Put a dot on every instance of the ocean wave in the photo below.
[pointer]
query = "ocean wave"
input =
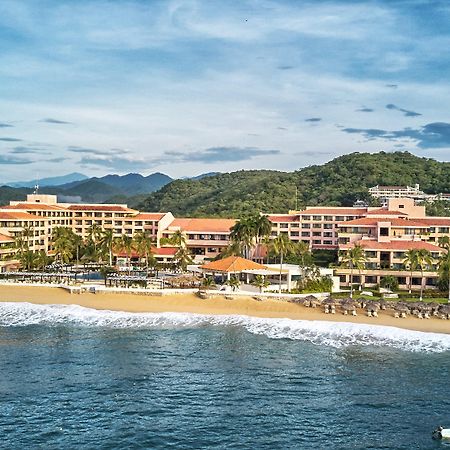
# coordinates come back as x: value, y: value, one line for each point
x: 334, y: 334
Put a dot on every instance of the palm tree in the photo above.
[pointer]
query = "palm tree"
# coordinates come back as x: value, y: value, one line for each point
x: 183, y: 258
x: 281, y: 246
x: 411, y: 262
x: 94, y: 233
x: 444, y: 261
x: 27, y: 233
x: 107, y: 243
x: 243, y: 233
x: 262, y: 227
x: 260, y: 282
x: 178, y: 239
x: 143, y: 245
x: 208, y: 283
x: 353, y: 258
x: 124, y: 243
x: 424, y: 260
x: 234, y: 283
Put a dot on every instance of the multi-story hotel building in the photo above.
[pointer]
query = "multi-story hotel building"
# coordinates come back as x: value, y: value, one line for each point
x: 385, y: 233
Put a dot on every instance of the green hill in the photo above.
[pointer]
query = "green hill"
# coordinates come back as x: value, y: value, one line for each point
x: 337, y: 183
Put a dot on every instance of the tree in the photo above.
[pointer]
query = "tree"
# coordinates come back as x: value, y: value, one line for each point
x: 281, y: 246
x: 262, y: 227
x: 260, y: 282
x: 234, y: 283
x: 183, y: 258
x: 389, y: 282
x: 143, y: 244
x: 124, y: 243
x: 208, y: 283
x: 444, y: 263
x: 94, y: 235
x: 243, y: 233
x: 411, y: 262
x: 107, y: 244
x: 424, y: 261
x: 353, y: 258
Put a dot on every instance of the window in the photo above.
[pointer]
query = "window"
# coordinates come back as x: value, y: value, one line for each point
x: 306, y: 233
x: 384, y: 231
x: 306, y: 217
x: 317, y: 242
x: 327, y: 234
x: 339, y: 218
x: 317, y: 217
x: 317, y: 225
x: 328, y: 226
x: 328, y: 242
x: 401, y: 206
x: 306, y: 225
x: 443, y: 229
x: 294, y: 233
x: 317, y: 233
x: 284, y: 225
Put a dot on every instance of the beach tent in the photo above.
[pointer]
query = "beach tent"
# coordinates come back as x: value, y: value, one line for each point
x: 231, y: 265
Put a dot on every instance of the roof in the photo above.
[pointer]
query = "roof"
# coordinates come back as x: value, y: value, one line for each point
x: 286, y: 218
x: 149, y: 216
x: 438, y: 221
x: 5, y: 238
x: 385, y: 212
x: 17, y: 215
x: 379, y: 186
x: 161, y: 251
x: 35, y: 207
x: 394, y: 221
x: 395, y: 245
x: 107, y: 208
x: 232, y: 264
x: 203, y: 225
x: 335, y: 211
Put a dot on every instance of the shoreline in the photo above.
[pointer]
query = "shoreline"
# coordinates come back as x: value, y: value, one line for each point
x: 190, y: 303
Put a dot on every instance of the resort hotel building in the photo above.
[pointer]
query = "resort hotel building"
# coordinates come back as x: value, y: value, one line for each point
x: 385, y: 233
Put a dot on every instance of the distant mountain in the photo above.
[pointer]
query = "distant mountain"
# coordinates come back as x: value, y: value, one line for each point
x: 51, y: 181
x: 337, y: 183
x: 135, y: 183
x: 102, y: 189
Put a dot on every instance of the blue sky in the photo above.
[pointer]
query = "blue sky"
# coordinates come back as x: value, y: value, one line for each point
x: 186, y: 87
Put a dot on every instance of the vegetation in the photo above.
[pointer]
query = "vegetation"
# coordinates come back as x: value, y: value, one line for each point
x: 389, y: 282
x: 318, y: 284
x: 353, y: 258
x: 281, y: 246
x: 339, y: 182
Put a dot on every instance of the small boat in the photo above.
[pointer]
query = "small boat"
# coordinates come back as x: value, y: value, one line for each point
x: 441, y: 433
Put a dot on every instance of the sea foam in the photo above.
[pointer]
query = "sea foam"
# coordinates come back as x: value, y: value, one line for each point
x: 334, y: 334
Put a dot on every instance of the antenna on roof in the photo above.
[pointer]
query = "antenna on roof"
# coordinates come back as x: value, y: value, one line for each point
x: 36, y: 186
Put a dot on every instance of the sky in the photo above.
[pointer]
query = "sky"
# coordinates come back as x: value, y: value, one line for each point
x: 186, y: 87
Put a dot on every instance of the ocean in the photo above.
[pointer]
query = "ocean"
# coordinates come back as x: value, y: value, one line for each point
x: 73, y: 377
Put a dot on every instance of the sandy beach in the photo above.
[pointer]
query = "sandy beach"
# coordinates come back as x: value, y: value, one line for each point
x: 190, y: 303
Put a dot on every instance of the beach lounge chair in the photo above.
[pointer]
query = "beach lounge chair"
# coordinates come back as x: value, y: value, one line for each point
x: 374, y: 314
x: 354, y: 313
x: 369, y: 313
x: 396, y: 315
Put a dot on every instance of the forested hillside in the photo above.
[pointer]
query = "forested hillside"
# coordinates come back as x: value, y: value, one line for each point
x: 339, y: 182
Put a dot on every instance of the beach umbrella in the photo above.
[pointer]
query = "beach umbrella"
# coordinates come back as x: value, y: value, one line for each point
x: 349, y: 306
x: 444, y: 309
x: 401, y: 307
x: 329, y: 301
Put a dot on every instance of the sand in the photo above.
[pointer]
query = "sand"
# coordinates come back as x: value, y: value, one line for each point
x: 190, y: 303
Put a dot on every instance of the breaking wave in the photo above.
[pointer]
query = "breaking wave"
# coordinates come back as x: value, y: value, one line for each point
x: 334, y: 334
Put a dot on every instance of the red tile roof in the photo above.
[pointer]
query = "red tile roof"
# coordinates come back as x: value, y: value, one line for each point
x: 203, y: 225
x: 106, y: 208
x: 5, y: 238
x: 149, y: 216
x: 232, y: 264
x: 385, y: 212
x: 17, y: 215
x: 395, y: 222
x: 161, y: 251
x: 282, y: 219
x: 339, y: 211
x: 394, y: 245
x: 35, y: 207
x: 436, y: 221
